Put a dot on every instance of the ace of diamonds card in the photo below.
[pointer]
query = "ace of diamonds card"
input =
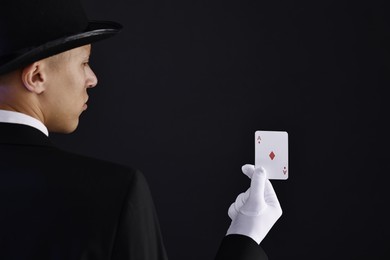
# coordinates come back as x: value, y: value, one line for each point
x: 271, y: 152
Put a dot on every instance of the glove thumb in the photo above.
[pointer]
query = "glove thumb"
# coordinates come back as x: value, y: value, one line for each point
x: 255, y: 203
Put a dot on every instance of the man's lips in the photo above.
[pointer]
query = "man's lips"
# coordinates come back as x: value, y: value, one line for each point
x: 85, y: 106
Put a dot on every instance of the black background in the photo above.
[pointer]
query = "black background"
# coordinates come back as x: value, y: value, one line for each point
x: 186, y: 84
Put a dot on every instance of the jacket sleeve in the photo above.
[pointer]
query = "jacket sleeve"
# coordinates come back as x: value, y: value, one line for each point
x: 138, y: 233
x: 239, y: 247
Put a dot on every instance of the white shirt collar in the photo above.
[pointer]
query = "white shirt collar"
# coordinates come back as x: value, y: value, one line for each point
x: 19, y: 118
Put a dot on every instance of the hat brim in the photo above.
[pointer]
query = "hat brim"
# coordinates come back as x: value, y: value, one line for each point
x: 96, y: 31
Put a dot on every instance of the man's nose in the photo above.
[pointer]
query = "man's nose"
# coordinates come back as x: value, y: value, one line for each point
x: 92, y: 80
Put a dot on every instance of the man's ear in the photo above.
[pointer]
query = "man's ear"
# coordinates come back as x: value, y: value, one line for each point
x: 34, y: 77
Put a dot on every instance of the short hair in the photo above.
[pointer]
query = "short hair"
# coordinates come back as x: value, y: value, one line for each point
x: 56, y: 60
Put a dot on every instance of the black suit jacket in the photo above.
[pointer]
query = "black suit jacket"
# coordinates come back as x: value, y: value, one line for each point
x: 59, y: 205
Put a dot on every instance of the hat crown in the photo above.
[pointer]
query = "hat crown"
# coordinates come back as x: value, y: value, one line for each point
x: 26, y: 24
x: 31, y: 30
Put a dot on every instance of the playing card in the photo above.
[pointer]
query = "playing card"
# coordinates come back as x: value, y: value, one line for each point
x: 271, y: 152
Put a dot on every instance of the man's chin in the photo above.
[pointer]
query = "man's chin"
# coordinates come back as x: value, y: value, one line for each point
x: 64, y: 129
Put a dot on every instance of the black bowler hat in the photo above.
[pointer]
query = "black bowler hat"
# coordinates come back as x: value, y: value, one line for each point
x: 31, y: 30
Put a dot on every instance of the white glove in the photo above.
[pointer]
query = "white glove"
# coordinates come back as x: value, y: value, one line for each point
x: 255, y: 212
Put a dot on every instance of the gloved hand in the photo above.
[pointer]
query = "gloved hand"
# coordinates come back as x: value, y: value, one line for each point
x: 255, y: 212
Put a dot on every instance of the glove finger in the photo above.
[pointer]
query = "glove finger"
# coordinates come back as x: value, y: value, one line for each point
x: 248, y: 170
x: 232, y: 212
x: 239, y: 202
x: 270, y: 195
x: 241, y: 199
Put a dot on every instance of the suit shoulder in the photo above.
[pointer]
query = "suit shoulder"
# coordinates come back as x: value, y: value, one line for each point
x: 102, y: 166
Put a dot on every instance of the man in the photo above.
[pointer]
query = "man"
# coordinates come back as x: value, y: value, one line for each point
x: 58, y: 205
